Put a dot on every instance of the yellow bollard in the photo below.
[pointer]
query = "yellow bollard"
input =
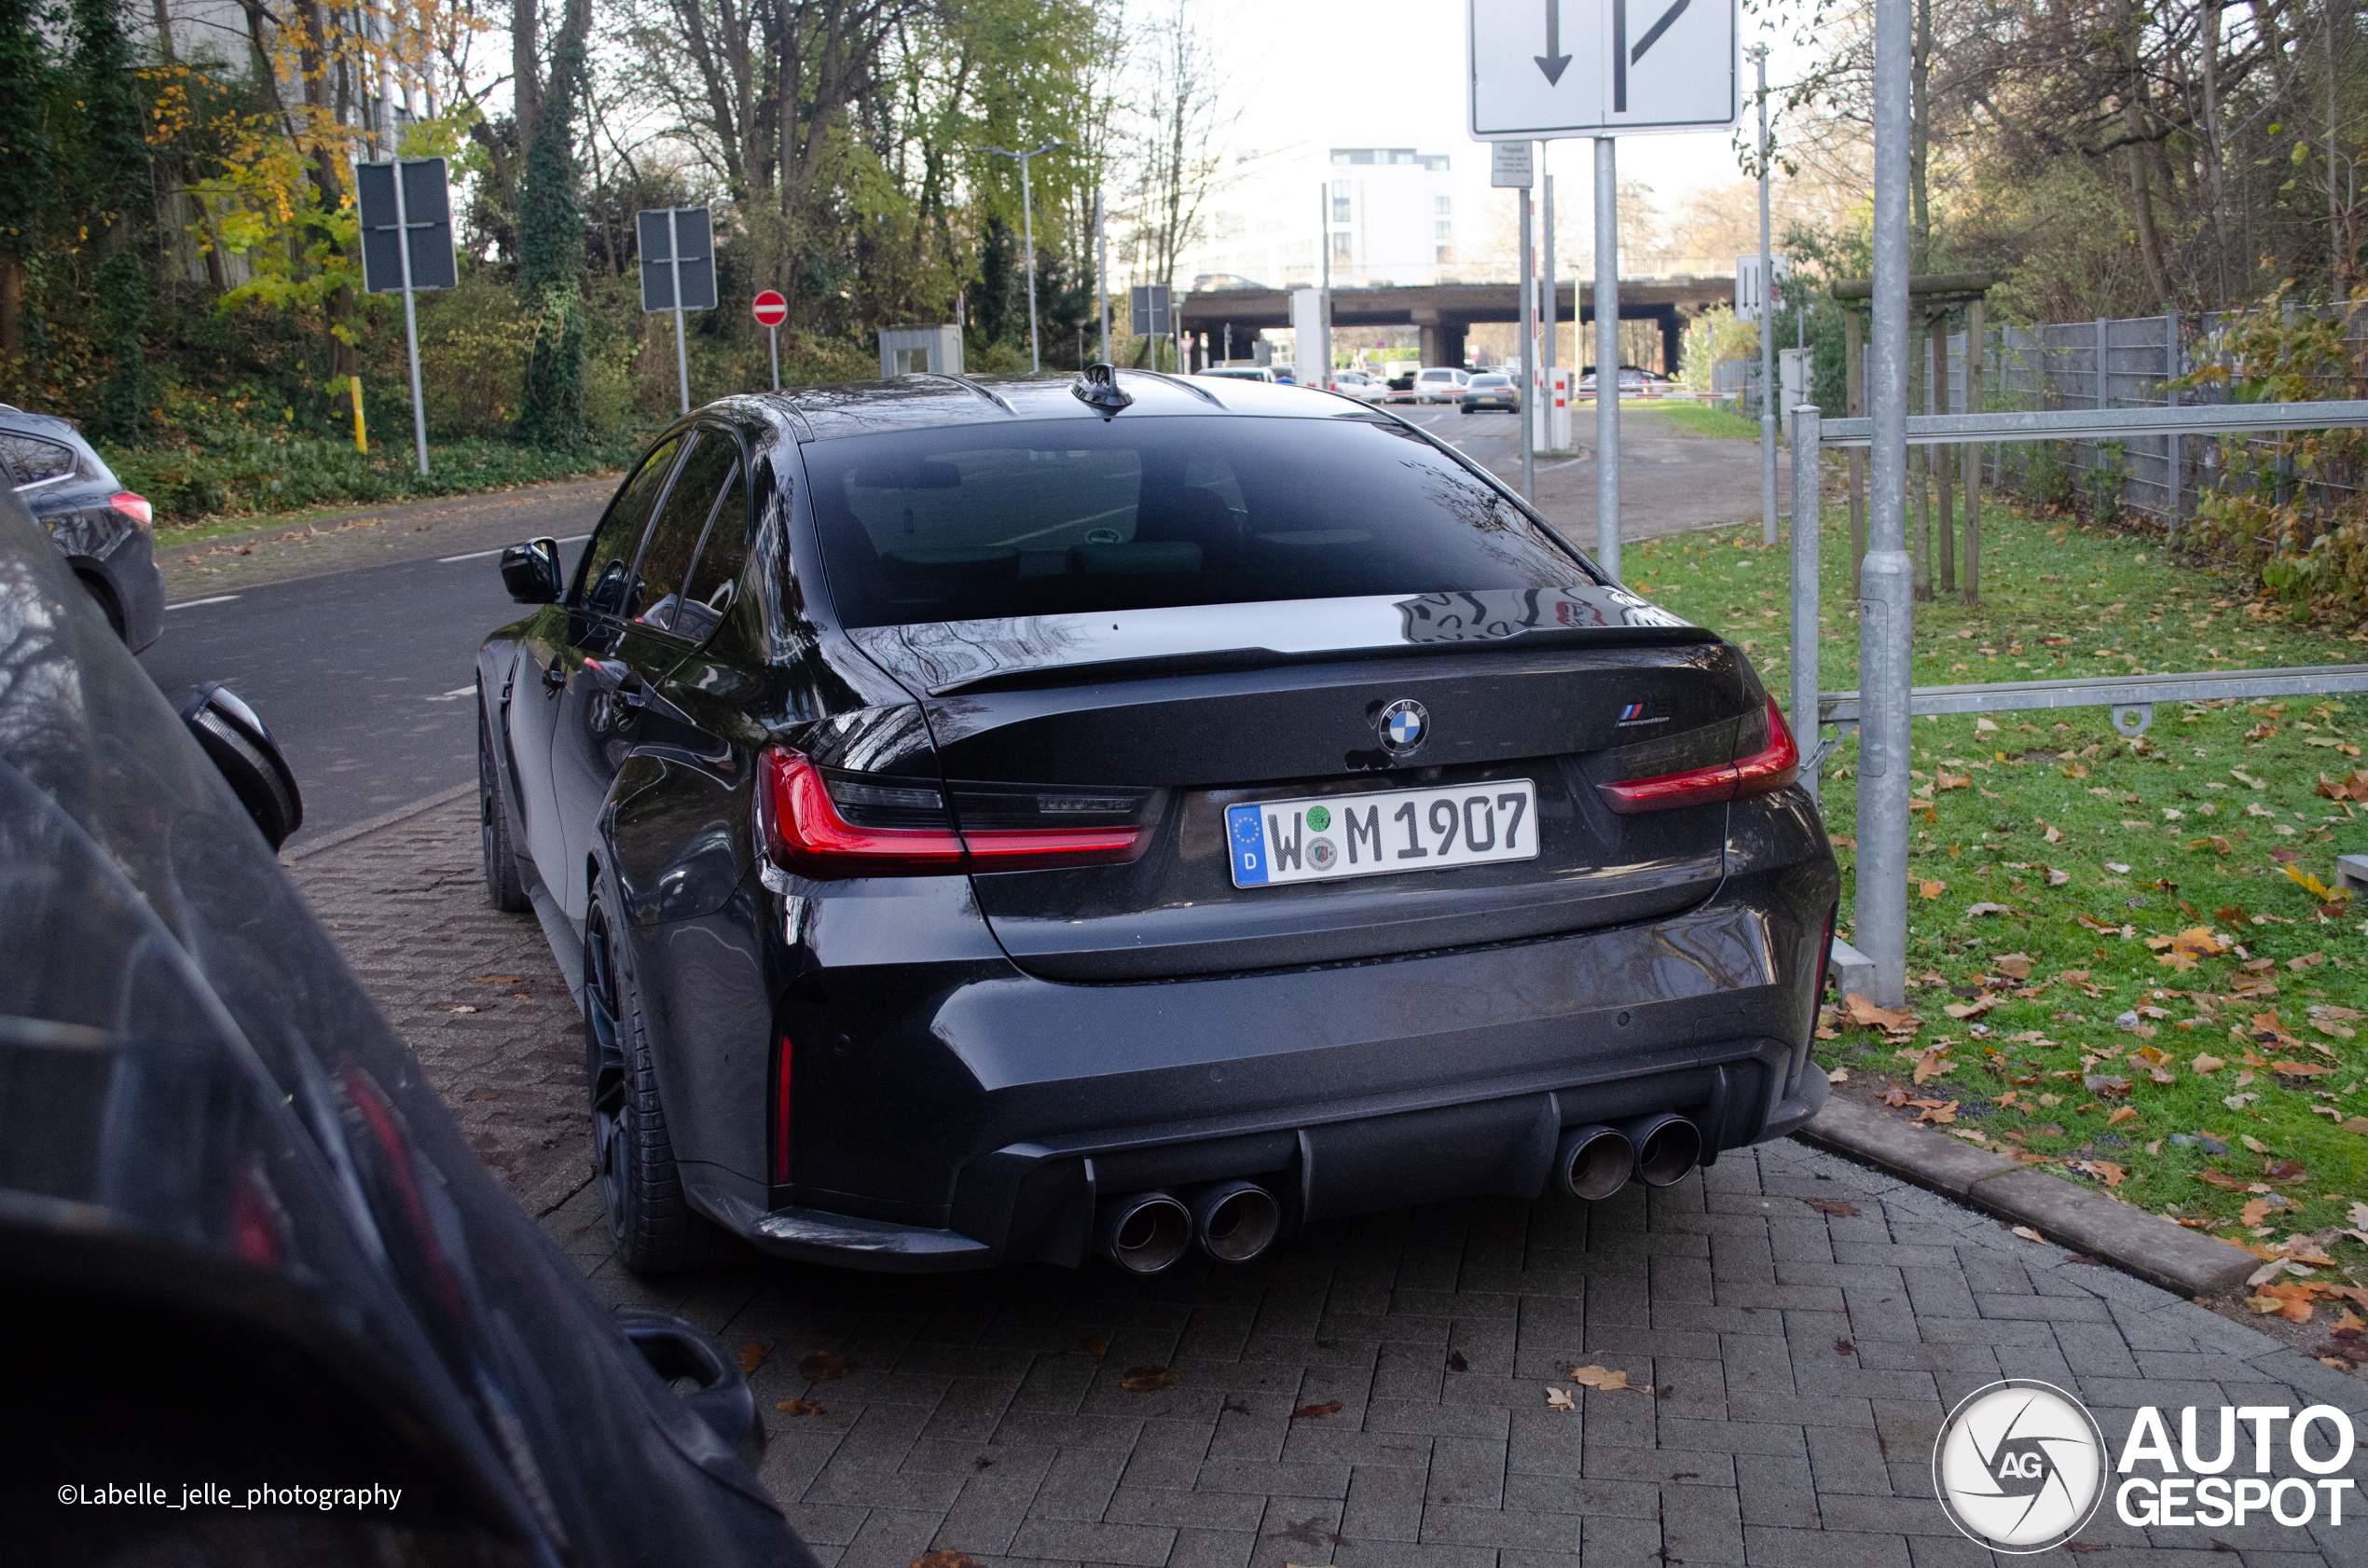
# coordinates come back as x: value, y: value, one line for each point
x: 360, y: 436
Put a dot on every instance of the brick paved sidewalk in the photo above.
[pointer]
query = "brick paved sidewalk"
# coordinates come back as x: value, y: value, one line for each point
x: 1801, y: 1358
x: 474, y: 992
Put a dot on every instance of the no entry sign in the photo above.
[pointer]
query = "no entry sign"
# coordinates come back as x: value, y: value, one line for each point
x: 770, y: 309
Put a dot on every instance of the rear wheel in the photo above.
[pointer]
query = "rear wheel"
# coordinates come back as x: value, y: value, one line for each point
x: 504, y: 890
x: 651, y: 1221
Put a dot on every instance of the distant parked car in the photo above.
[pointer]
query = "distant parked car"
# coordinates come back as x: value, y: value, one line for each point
x: 1239, y: 372
x: 1359, y: 385
x: 1493, y: 391
x: 107, y: 533
x: 1633, y: 383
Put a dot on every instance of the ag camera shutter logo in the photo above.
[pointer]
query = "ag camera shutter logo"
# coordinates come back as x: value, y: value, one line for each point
x: 2019, y: 1467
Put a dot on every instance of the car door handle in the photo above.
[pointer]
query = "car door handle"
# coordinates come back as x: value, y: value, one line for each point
x: 631, y: 692
x: 553, y: 677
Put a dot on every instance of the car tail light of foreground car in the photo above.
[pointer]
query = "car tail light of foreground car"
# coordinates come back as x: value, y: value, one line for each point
x: 135, y: 507
x: 1762, y: 773
x: 828, y: 824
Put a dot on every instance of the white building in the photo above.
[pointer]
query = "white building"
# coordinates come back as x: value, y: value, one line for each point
x: 1387, y: 215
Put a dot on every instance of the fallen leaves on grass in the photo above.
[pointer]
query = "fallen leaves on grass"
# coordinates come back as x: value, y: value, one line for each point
x: 2014, y: 966
x: 2206, y: 1064
x: 1939, y: 1113
x: 1987, y: 908
x: 826, y: 1366
x: 2351, y: 788
x: 1930, y: 889
x: 2103, y: 1170
x: 2105, y: 1083
x: 1148, y: 1380
x: 1894, y: 1096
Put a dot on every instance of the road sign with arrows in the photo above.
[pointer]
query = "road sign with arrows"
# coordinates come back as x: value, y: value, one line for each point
x: 1633, y: 66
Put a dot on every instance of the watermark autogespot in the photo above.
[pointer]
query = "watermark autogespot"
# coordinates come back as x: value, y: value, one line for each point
x: 2021, y: 1466
x: 214, y: 1494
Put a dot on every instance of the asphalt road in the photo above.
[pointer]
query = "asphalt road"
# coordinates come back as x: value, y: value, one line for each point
x: 365, y: 677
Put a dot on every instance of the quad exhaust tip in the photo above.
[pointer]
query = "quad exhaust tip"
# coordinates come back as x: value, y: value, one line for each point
x: 1235, y: 1220
x: 1594, y: 1162
x: 1145, y: 1232
x: 1668, y: 1146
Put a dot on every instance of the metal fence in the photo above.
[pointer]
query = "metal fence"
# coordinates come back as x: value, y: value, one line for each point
x: 2128, y: 364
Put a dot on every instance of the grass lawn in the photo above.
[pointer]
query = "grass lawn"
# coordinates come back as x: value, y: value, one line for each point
x: 2113, y: 968
x: 1703, y: 419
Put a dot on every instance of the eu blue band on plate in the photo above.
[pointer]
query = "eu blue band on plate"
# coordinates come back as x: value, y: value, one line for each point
x: 1246, y: 841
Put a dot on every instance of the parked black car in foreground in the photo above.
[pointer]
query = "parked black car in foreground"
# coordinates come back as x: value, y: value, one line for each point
x: 242, y: 1248
x: 1004, y: 819
x: 107, y: 533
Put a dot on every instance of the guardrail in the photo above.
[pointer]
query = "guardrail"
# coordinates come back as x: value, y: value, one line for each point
x: 1882, y: 857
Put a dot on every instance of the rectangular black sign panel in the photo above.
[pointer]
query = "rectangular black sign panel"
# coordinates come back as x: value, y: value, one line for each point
x: 659, y: 237
x: 425, y: 213
x: 1148, y: 309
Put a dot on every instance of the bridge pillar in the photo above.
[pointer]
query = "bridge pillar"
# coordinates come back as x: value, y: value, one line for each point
x: 1443, y: 342
x: 1672, y: 340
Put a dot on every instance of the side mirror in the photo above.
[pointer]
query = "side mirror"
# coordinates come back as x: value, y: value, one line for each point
x: 250, y: 761
x: 714, y: 1389
x: 531, y: 571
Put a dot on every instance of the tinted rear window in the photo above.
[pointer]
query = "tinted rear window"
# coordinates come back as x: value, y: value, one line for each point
x: 982, y: 522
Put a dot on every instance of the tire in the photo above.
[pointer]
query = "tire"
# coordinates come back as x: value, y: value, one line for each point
x: 96, y: 587
x: 504, y: 890
x: 650, y: 1220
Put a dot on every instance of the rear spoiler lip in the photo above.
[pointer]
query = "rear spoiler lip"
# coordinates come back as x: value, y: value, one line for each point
x: 942, y: 657
x: 1226, y: 660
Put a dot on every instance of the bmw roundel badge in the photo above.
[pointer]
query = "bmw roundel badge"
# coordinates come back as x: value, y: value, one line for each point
x: 1404, y: 726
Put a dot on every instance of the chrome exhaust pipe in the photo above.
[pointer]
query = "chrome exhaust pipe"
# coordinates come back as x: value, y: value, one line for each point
x: 1145, y: 1231
x: 1667, y: 1147
x: 1235, y: 1220
x: 1593, y: 1162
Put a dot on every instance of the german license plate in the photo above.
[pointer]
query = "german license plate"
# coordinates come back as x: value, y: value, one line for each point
x: 1338, y: 836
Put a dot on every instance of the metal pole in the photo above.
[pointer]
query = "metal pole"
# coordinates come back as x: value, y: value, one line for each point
x: 411, y: 323
x: 1102, y: 273
x: 1887, y: 608
x: 1535, y: 405
x: 1607, y: 356
x: 1027, y: 237
x: 1324, y: 296
x: 1529, y: 352
x: 773, y: 337
x: 2170, y: 400
x: 1769, y: 394
x: 1807, y: 641
x: 681, y: 353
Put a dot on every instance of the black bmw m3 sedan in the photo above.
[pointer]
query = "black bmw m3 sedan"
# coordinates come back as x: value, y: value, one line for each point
x: 999, y: 821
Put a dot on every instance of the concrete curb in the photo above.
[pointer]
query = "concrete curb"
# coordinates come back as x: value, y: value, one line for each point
x: 182, y: 552
x: 2131, y: 1239
x: 370, y: 825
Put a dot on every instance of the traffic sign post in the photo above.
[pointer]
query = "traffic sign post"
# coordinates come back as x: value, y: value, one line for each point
x: 1513, y: 165
x: 771, y: 310
x: 678, y: 272
x: 406, y: 244
x: 1540, y: 69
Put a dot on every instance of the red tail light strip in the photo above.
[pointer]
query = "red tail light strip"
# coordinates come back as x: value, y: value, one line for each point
x: 1762, y: 773
x: 135, y: 507
x: 805, y: 833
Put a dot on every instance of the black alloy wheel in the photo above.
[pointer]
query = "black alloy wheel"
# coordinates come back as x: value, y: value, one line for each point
x: 650, y: 1220
x: 504, y: 890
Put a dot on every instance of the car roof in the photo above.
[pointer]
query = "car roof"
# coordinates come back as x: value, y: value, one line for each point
x: 39, y: 424
x: 937, y: 401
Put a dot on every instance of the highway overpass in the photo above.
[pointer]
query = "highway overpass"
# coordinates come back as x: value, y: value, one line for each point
x: 1444, y: 310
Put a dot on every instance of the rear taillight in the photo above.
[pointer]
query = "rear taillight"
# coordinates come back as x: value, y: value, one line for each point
x: 902, y: 827
x: 135, y: 507
x: 1764, y: 771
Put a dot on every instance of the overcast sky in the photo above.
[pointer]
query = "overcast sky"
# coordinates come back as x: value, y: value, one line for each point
x: 1391, y: 73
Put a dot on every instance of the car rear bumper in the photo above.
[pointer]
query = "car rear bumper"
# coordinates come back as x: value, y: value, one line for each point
x: 958, y: 1121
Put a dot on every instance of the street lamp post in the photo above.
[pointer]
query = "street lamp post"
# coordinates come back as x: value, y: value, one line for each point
x: 1768, y: 389
x: 1027, y: 237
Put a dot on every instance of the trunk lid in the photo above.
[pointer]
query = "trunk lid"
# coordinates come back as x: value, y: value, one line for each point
x: 1177, y: 714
